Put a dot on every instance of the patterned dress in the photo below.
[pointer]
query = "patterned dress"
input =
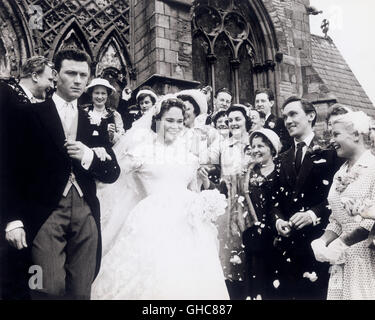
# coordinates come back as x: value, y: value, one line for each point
x: 353, y: 277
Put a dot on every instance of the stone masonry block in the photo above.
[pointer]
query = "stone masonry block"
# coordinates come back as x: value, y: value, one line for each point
x: 171, y: 34
x: 160, y: 32
x: 164, y: 68
x: 159, y: 6
x: 163, y: 43
x: 162, y: 21
x: 171, y: 56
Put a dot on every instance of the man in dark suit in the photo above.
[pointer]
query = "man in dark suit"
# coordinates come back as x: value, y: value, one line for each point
x: 264, y: 101
x: 56, y: 212
x: 301, y: 209
x: 36, y: 79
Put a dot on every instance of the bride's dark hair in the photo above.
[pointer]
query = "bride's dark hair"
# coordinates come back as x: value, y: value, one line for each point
x: 166, y: 105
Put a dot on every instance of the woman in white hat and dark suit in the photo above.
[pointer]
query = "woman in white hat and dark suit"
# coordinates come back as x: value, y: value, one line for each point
x: 258, y: 237
x: 107, y: 123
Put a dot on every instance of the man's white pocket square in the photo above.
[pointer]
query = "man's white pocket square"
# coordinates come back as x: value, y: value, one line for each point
x: 95, y: 133
x: 320, y: 161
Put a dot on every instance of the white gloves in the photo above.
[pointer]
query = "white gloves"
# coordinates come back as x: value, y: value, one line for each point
x: 320, y: 250
x: 336, y: 249
x: 332, y: 253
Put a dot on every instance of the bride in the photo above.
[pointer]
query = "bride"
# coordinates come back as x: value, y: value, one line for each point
x: 159, y: 241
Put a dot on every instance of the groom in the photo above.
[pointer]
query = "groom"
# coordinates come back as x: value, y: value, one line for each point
x: 55, y: 212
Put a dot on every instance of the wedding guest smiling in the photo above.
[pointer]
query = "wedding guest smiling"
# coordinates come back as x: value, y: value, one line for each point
x: 107, y: 123
x: 352, y: 272
x: 232, y: 224
x: 258, y: 237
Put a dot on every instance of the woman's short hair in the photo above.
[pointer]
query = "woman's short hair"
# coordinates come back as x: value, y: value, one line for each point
x: 145, y: 95
x: 168, y: 104
x: 358, y: 121
x: 217, y: 116
x: 337, y: 110
x: 197, y: 109
x: 243, y: 110
x: 165, y: 106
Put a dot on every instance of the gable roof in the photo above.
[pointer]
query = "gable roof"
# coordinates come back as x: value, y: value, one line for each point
x: 337, y: 75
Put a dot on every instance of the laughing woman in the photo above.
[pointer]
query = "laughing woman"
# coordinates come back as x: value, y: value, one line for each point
x: 344, y: 243
x: 232, y: 224
x: 258, y: 238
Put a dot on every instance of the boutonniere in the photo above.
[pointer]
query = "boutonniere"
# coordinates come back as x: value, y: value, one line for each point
x: 94, y: 119
x: 257, y: 180
x: 317, y: 150
x: 95, y: 133
x: 271, y: 125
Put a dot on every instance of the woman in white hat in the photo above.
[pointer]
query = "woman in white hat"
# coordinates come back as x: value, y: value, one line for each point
x: 258, y: 238
x: 107, y: 123
x: 200, y: 136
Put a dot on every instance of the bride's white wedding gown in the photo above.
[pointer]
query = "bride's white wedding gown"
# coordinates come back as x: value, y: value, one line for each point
x: 154, y: 244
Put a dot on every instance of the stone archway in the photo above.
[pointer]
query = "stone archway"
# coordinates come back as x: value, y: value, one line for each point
x: 15, y: 38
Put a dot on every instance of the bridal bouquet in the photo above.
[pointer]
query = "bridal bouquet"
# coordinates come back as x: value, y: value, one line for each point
x: 214, y: 204
x: 208, y: 206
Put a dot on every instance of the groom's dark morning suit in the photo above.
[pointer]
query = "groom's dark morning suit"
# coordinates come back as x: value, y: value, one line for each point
x: 303, y: 191
x: 62, y: 224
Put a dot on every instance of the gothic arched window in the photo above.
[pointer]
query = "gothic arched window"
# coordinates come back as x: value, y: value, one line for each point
x: 224, y: 53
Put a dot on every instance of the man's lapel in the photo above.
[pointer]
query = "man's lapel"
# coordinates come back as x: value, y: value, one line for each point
x: 51, y: 120
x: 83, y: 125
x: 271, y: 118
x: 289, y: 167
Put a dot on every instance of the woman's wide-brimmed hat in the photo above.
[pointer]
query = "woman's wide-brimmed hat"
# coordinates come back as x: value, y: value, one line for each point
x: 198, y: 97
x: 100, y: 82
x: 270, y: 135
x: 147, y: 92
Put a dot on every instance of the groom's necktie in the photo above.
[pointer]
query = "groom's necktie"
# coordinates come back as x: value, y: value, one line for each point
x: 299, y: 153
x: 68, y: 121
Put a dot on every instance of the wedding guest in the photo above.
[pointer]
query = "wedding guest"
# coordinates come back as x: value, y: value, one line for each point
x: 232, y: 224
x: 200, y: 136
x: 300, y: 204
x: 258, y: 238
x: 55, y: 213
x: 264, y: 102
x: 210, y: 174
x: 36, y: 80
x: 207, y: 91
x: 343, y: 243
x: 106, y: 123
x: 220, y: 121
x: 334, y: 112
x: 194, y: 107
x: 257, y: 119
x: 145, y: 98
x: 222, y: 100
